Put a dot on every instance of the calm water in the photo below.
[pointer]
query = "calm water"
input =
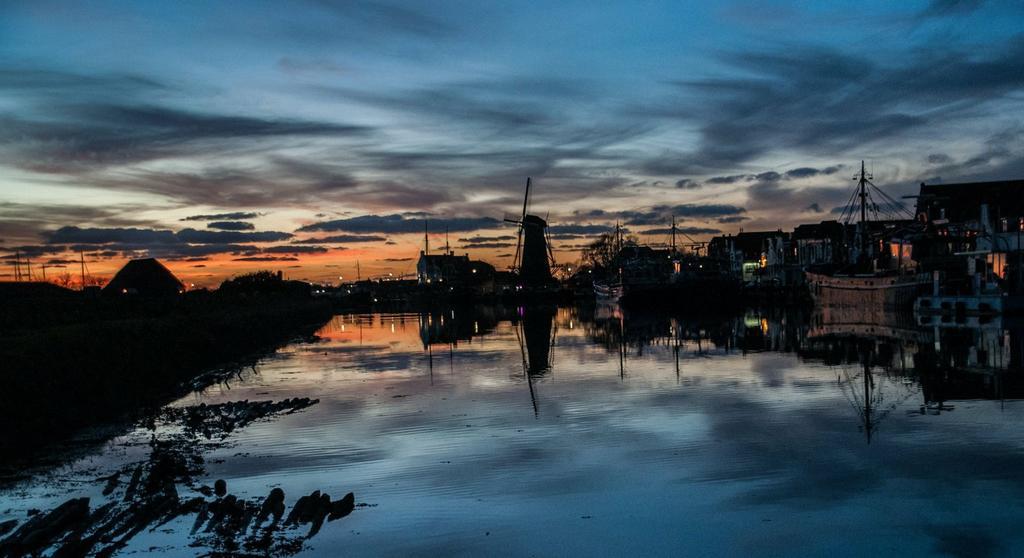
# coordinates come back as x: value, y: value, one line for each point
x: 554, y: 433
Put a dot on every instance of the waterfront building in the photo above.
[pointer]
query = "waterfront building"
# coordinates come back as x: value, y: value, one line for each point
x: 448, y: 269
x: 756, y: 257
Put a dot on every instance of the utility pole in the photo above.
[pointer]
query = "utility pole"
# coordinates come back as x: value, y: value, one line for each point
x: 426, y: 238
x: 359, y: 276
x: 81, y: 253
x: 17, y: 267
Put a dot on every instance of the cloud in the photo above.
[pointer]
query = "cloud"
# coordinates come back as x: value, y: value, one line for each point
x: 808, y: 172
x: 233, y: 216
x: 76, y: 235
x: 36, y: 83
x: 701, y: 210
x: 731, y: 179
x: 950, y: 8
x: 814, y: 207
x: 231, y: 225
x: 772, y: 176
x: 657, y: 215
x: 400, y: 224
x: 687, y: 184
x: 682, y: 230
x: 194, y: 236
x: 822, y: 101
x: 732, y: 219
x: 487, y: 245
x: 83, y: 137
x: 342, y: 239
x: 31, y: 251
x: 589, y: 229
x: 389, y: 18
x: 292, y: 249
x: 483, y: 238
x: 163, y: 243
x: 266, y: 259
x: 295, y: 66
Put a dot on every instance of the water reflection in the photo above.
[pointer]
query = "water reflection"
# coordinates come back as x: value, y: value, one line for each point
x: 884, y: 359
x: 631, y: 433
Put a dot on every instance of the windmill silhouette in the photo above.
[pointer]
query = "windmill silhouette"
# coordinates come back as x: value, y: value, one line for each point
x: 533, y: 251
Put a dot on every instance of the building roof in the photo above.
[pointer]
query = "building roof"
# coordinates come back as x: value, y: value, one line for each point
x: 146, y: 277
x: 752, y: 243
x: 822, y: 230
x: 962, y: 201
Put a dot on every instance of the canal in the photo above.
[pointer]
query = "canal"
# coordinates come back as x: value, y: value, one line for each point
x: 546, y: 431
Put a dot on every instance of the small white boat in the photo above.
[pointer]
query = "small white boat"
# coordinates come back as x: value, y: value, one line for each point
x: 608, y: 292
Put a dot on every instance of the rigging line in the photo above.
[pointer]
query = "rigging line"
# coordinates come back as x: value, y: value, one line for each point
x: 847, y: 213
x: 898, y: 205
x: 892, y: 201
x: 851, y: 205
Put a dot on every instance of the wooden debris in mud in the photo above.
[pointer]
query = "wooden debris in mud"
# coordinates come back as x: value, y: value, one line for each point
x: 223, y: 522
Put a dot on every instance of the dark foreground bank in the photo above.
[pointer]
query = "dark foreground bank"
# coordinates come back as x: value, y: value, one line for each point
x: 86, y: 362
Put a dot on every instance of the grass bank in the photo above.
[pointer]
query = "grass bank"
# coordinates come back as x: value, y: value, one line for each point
x: 116, y: 357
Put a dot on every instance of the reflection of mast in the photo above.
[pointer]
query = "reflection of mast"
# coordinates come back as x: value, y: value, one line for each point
x: 869, y: 406
x: 862, y: 405
x: 622, y: 351
x: 869, y: 384
x: 430, y: 362
x: 675, y: 342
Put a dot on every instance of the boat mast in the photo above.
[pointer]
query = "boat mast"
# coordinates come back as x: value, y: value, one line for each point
x: 862, y: 184
x: 673, y: 234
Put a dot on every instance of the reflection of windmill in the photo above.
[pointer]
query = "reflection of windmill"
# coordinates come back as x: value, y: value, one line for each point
x: 533, y: 252
x: 536, y: 332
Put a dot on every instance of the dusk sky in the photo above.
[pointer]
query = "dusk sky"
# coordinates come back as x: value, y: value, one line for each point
x: 224, y: 137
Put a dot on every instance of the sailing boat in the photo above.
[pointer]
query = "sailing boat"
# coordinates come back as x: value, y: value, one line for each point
x: 866, y: 283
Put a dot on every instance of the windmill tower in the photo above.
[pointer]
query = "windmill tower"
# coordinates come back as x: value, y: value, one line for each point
x: 532, y: 253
